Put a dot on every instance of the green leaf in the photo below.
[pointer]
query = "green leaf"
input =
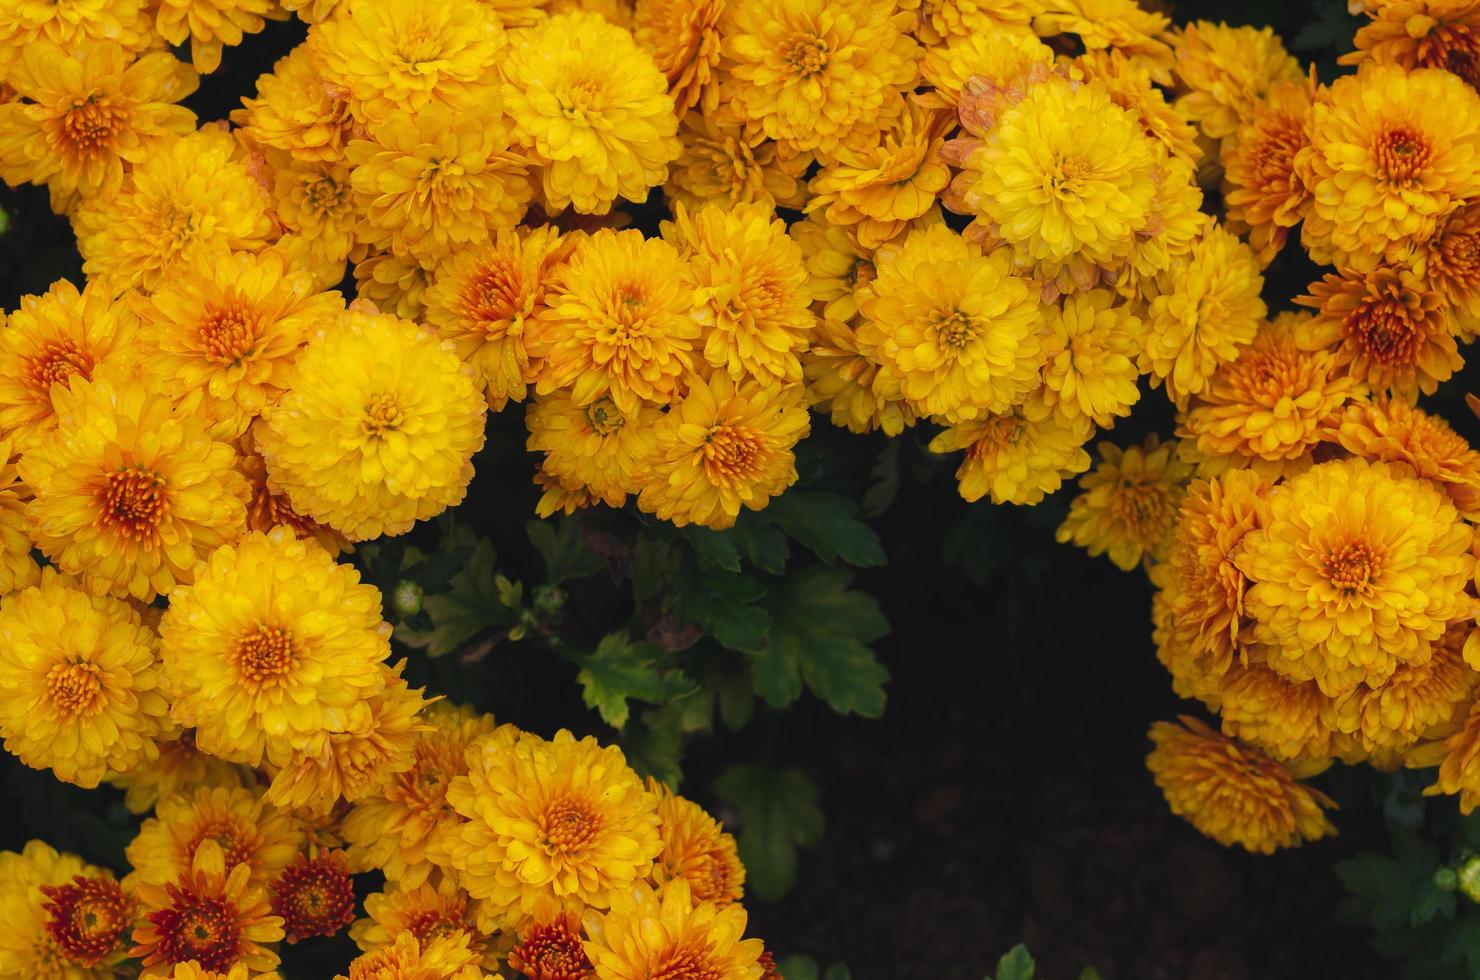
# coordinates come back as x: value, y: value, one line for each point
x: 714, y: 547
x: 797, y: 967
x: 827, y: 525
x: 470, y: 606
x: 656, y: 749
x: 654, y: 563
x: 761, y: 542
x: 820, y: 631
x: 565, y: 553
x: 778, y: 814
x: 1016, y: 964
x: 838, y: 971
x: 620, y: 670
x: 1090, y: 973
x: 723, y: 605
x: 1462, y: 943
x: 884, y: 480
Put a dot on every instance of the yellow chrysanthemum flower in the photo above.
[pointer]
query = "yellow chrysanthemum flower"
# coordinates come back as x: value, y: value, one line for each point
x: 1234, y: 793
x: 79, y: 682
x: 18, y: 570
x: 840, y: 381
x: 552, y: 947
x: 620, y: 322
x: 696, y: 849
x: 80, y: 114
x: 1130, y: 86
x: 230, y: 327
x: 1284, y: 718
x: 562, y: 820
x: 351, y: 762
x: 836, y: 266
x: 179, y: 767
x: 248, y: 830
x: 403, y: 55
x: 1358, y: 569
x: 394, y: 283
x: 684, y: 39
x: 1174, y: 227
x: 1123, y: 25
x: 938, y: 22
x: 721, y: 447
x: 53, y: 339
x: 1127, y: 505
x: 268, y: 509
x: 1225, y: 71
x: 215, y: 918
x: 1066, y: 178
x: 1262, y: 190
x: 729, y: 163
x: 315, y: 202
x: 297, y: 112
x: 425, y: 912
x: 811, y: 72
x: 389, y: 831
x: 192, y: 970
x: 647, y: 930
x: 1392, y: 431
x: 1386, y: 327
x: 594, y: 449
x: 1415, y: 701
x: 1208, y: 308
x: 211, y: 25
x: 1092, y: 344
x: 489, y: 302
x: 1202, y: 589
x: 750, y: 296
x: 954, y: 332
x: 377, y: 429
x: 132, y: 491
x: 125, y: 23
x: 436, y: 180
x: 60, y: 917
x: 1389, y: 153
x: 1442, y: 34
x: 1016, y: 460
x: 594, y: 109
x: 1450, y: 261
x: 191, y: 194
x: 437, y: 958
x: 272, y: 646
x: 1266, y: 408
x: 999, y: 56
x: 1456, y: 756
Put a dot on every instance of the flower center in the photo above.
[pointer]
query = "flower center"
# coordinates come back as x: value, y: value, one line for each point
x: 1352, y: 567
x: 955, y: 329
x: 1276, y: 150
x: 315, y: 898
x: 569, y: 825
x: 228, y: 334
x: 686, y: 963
x: 1402, y: 154
x: 1066, y: 179
x: 198, y: 927
x: 88, y: 917
x: 1146, y: 508
x: 133, y: 502
x: 492, y: 295
x: 383, y: 415
x: 265, y: 654
x: 429, y: 924
x: 324, y: 195
x: 732, y: 454
x: 604, y: 417
x: 75, y: 689
x: 550, y: 951
x: 1385, y: 332
x: 805, y: 53
x: 235, y: 846
x: 57, y: 362
x: 89, y: 126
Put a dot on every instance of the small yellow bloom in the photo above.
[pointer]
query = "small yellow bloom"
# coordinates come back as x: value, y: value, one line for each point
x: 1092, y: 345
x: 646, y: 930
x: 596, y: 450
x: 1128, y: 504
x: 1014, y: 459
x: 1225, y: 71
x: 297, y: 112
x: 248, y: 830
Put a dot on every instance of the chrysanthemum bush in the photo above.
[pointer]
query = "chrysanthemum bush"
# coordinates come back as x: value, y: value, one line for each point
x: 630, y: 254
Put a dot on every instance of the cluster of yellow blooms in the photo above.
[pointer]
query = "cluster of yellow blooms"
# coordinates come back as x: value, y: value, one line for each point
x: 1310, y: 532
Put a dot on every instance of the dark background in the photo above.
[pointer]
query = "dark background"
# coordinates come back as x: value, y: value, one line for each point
x: 1003, y: 797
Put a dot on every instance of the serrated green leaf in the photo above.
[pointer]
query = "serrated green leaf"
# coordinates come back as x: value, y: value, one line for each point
x: 469, y: 606
x: 819, y: 636
x: 761, y: 542
x: 559, y: 542
x: 620, y: 670
x: 778, y: 815
x: 827, y: 525
x: 1016, y: 964
x: 714, y: 547
x: 722, y: 604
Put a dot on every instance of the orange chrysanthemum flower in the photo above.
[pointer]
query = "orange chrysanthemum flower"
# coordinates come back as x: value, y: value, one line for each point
x: 1015, y: 459
x: 314, y: 896
x: 1225, y: 71
x: 1392, y: 431
x: 551, y: 948
x: 1262, y: 190
x: 297, y: 112
x: 1441, y: 34
x: 1387, y: 328
x: 1450, y: 261
x: 248, y: 830
x: 729, y: 163
x: 428, y: 912
x: 1128, y: 503
x: 89, y: 918
x: 697, y: 849
x: 684, y: 39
